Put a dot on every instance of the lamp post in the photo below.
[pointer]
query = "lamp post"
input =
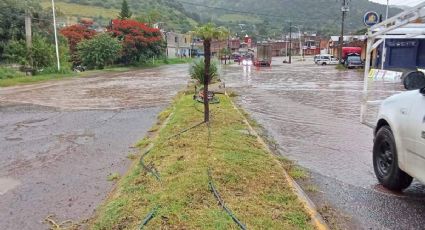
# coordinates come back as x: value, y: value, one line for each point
x: 56, y: 35
x: 384, y: 49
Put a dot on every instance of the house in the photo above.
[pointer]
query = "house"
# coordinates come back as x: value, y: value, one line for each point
x: 178, y: 45
x: 232, y: 43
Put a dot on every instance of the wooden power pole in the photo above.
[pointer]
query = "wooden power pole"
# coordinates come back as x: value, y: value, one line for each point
x: 290, y: 42
x: 344, y: 10
x: 28, y: 32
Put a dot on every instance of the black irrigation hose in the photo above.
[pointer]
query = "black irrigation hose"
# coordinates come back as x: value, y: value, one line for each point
x: 222, y: 204
x: 148, y: 217
x: 184, y: 130
x: 149, y: 169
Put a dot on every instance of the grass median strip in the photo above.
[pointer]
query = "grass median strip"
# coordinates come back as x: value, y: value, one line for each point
x: 249, y: 179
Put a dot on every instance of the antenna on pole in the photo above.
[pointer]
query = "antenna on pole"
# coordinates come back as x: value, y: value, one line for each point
x: 384, y: 48
x: 56, y: 35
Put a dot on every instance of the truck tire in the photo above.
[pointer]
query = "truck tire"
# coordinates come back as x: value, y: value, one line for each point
x: 324, y: 63
x: 385, y: 161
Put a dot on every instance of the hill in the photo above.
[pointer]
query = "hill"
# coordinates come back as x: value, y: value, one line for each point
x: 171, y: 13
x: 272, y: 17
x: 262, y: 19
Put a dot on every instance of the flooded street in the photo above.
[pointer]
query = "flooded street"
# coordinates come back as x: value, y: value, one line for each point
x: 60, y: 140
x: 313, y: 113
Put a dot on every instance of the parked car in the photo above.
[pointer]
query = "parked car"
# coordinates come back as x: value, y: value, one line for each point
x: 399, y: 143
x: 328, y: 61
x: 353, y: 61
x: 349, y: 51
x: 321, y: 57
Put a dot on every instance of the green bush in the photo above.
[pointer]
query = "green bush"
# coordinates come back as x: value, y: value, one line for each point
x: 100, y: 51
x: 42, y: 53
x: 16, y: 52
x: 7, y: 73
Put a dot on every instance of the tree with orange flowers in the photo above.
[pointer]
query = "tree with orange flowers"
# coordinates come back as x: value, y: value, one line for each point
x: 76, y: 34
x: 140, y: 41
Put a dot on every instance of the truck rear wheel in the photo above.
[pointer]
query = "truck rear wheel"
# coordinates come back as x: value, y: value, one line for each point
x: 385, y: 161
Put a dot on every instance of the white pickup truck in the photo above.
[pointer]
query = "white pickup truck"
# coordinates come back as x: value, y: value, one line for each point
x: 399, y: 144
x: 327, y: 61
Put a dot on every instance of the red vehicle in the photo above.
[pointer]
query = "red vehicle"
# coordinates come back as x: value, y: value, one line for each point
x: 350, y: 50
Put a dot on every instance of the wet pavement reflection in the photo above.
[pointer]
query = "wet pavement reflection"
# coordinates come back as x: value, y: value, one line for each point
x: 59, y: 140
x: 313, y: 113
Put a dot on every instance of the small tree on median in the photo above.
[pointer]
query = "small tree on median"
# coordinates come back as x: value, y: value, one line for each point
x: 208, y: 33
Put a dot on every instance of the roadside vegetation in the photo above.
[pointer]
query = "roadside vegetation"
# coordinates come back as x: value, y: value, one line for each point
x: 171, y: 181
x: 127, y: 42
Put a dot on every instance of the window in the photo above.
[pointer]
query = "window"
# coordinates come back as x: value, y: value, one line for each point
x: 176, y: 39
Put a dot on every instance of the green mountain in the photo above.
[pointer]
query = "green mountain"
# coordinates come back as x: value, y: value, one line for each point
x: 271, y: 17
x: 171, y: 13
x: 263, y: 19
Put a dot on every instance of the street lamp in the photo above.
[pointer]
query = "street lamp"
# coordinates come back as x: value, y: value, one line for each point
x: 56, y: 35
x: 299, y: 37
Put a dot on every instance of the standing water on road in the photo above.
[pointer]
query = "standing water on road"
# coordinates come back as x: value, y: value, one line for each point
x: 60, y: 140
x: 313, y: 113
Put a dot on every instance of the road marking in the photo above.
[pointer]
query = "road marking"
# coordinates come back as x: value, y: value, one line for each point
x: 7, y: 184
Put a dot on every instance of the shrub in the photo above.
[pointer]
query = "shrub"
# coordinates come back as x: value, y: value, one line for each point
x: 100, y: 51
x: 16, y: 52
x: 42, y: 53
x: 197, y: 70
x: 6, y: 73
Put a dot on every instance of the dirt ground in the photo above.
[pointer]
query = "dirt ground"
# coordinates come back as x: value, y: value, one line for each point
x: 60, y: 140
x: 313, y: 114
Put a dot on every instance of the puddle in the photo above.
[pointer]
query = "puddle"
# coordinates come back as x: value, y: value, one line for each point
x: 7, y: 184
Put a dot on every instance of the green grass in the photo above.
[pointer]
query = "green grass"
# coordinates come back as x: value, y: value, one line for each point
x: 82, y: 10
x: 340, y: 67
x: 249, y: 179
x: 113, y: 177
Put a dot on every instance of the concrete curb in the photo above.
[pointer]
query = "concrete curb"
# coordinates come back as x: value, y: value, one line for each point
x: 311, y: 208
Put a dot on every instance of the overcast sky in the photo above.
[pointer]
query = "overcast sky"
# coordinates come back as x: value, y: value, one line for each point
x: 400, y: 2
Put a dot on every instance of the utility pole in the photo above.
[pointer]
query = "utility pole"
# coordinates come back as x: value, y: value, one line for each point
x: 56, y: 35
x: 290, y: 42
x: 344, y: 10
x: 28, y: 32
x: 384, y: 48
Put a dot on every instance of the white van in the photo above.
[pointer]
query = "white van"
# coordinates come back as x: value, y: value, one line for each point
x: 323, y: 57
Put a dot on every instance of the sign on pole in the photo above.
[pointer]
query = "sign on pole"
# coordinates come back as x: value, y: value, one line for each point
x: 371, y: 18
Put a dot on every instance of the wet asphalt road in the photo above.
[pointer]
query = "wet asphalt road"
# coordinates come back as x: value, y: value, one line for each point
x: 60, y: 140
x: 313, y: 113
